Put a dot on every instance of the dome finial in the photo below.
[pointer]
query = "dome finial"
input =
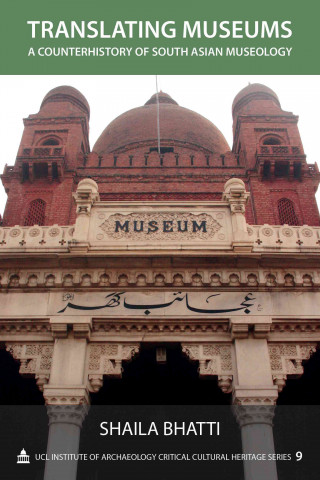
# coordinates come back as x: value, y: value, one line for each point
x: 163, y: 98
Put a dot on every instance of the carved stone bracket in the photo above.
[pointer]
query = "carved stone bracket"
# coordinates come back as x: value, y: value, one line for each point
x: 286, y: 359
x: 106, y: 359
x: 214, y: 359
x: 35, y: 359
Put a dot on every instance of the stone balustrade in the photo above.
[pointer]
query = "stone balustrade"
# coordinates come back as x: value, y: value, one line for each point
x: 43, y: 151
x: 284, y: 238
x: 279, y: 150
x: 48, y: 238
x: 264, y: 238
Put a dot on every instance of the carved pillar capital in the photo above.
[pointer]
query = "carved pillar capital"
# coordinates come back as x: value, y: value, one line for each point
x: 253, y: 414
x: 71, y: 414
x: 214, y: 359
x: 106, y: 359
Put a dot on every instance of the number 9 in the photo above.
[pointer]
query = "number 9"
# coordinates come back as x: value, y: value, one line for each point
x: 298, y: 456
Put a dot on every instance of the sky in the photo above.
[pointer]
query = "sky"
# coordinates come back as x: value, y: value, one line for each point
x: 109, y: 96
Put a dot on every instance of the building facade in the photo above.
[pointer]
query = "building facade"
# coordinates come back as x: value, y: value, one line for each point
x: 131, y: 245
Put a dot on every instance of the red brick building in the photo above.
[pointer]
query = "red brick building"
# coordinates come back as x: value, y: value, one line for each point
x: 194, y: 162
x: 130, y: 272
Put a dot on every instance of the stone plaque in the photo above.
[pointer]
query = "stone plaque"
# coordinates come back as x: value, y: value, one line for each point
x: 160, y: 226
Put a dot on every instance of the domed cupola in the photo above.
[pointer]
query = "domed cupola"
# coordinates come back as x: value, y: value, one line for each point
x: 255, y: 98
x: 178, y: 126
x: 64, y: 101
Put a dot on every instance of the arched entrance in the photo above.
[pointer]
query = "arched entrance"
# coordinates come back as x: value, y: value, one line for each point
x: 306, y: 389
x: 172, y: 380
x: 16, y: 389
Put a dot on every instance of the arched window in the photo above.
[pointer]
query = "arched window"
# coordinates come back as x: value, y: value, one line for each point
x: 287, y: 215
x: 51, y: 141
x: 272, y: 141
x: 36, y: 213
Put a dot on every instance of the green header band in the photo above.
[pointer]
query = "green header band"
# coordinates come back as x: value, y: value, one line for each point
x: 144, y: 37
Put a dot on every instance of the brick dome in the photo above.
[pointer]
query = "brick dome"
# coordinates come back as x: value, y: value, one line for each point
x: 254, y: 91
x: 65, y: 93
x: 178, y: 125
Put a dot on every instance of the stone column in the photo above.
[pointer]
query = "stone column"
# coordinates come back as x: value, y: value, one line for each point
x: 254, y: 398
x: 255, y: 422
x: 66, y: 396
x: 65, y: 423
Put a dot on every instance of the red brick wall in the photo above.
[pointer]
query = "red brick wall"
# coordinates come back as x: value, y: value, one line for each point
x: 199, y: 175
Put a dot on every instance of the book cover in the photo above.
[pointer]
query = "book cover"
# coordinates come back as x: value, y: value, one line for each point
x: 159, y: 241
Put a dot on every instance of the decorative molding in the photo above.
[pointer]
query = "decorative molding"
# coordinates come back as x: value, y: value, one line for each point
x: 24, y: 326
x: 286, y: 360
x: 255, y: 279
x: 35, y: 358
x: 214, y: 359
x: 187, y: 327
x: 106, y: 359
x: 281, y: 327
